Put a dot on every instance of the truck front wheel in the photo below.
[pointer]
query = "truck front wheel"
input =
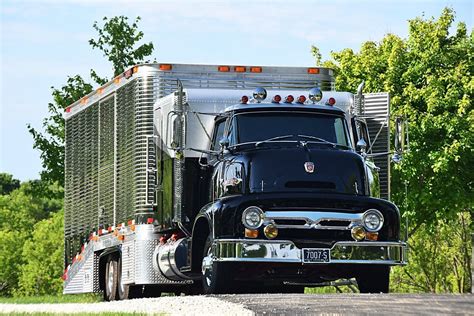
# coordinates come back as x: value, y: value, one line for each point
x: 216, y: 276
x: 374, y: 279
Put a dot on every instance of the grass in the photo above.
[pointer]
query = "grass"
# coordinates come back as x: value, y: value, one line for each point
x: 53, y: 299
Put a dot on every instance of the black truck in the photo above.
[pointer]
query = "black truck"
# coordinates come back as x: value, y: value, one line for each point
x: 225, y: 179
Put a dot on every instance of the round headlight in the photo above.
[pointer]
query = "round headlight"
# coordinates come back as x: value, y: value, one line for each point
x: 372, y: 220
x: 252, y: 217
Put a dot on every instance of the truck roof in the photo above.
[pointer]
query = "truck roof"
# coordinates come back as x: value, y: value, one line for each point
x: 198, y: 76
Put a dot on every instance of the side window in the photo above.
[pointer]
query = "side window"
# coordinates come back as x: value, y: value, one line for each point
x: 218, y: 134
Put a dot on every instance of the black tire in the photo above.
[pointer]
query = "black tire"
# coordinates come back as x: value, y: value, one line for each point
x: 126, y: 291
x: 110, y: 279
x: 217, y: 277
x: 374, y: 279
x: 151, y: 291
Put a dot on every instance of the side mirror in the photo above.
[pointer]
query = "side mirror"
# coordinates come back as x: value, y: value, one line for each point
x: 361, y: 146
x: 224, y: 142
x: 399, y: 140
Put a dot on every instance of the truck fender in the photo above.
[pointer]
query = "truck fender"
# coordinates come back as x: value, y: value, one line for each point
x: 201, y: 229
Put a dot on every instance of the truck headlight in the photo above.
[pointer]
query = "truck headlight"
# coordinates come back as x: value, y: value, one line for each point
x: 252, y: 217
x: 372, y: 220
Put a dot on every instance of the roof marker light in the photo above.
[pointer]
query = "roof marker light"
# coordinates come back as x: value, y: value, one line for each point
x: 301, y: 99
x: 166, y: 67
x: 276, y: 99
x: 240, y: 69
x: 331, y: 101
x: 256, y: 69
x: 244, y: 99
x: 289, y: 99
x: 223, y: 68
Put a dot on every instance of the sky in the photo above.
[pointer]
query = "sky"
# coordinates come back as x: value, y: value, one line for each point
x: 43, y: 42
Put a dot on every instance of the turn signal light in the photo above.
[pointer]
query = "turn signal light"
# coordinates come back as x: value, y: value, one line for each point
x: 372, y: 236
x: 251, y: 233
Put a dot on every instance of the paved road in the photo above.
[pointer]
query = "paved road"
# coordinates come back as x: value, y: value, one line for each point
x: 355, y: 304
x: 270, y: 304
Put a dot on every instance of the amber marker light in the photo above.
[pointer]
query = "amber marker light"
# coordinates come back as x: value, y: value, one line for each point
x: 239, y: 69
x: 256, y: 69
x: 251, y: 233
x: 313, y: 71
x: 166, y: 67
x: 223, y: 68
x: 372, y: 236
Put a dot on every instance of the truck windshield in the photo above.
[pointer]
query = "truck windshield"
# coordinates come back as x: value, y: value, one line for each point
x: 259, y: 126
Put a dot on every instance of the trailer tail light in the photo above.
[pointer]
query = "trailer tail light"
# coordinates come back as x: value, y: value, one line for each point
x: 223, y: 68
x: 256, y: 69
x: 239, y: 69
x: 289, y: 99
x: 244, y: 99
x: 276, y: 99
x: 166, y: 67
x: 117, y: 80
x: 68, y: 109
x: 301, y: 99
x: 100, y: 90
x: 135, y: 69
x: 84, y: 100
x: 313, y: 71
x: 331, y: 101
x: 149, y: 220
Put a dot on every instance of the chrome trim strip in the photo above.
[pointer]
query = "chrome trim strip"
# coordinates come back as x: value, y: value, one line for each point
x: 313, y: 219
x: 285, y: 251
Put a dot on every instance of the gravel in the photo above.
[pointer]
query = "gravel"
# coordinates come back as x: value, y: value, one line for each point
x: 170, y: 305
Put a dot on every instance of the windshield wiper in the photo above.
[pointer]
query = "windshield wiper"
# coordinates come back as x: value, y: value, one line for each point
x: 322, y: 140
x: 272, y: 139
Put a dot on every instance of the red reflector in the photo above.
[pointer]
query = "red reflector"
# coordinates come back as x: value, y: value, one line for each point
x: 289, y: 99
x: 313, y: 71
x: 276, y: 99
x: 239, y: 69
x: 149, y: 220
x: 166, y: 67
x: 255, y: 69
x: 109, y: 229
x: 68, y: 109
x: 127, y: 74
x: 331, y: 101
x: 223, y: 68
x: 129, y: 222
x: 244, y: 99
x: 301, y: 99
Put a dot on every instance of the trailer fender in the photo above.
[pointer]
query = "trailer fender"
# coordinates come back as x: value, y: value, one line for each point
x: 116, y: 250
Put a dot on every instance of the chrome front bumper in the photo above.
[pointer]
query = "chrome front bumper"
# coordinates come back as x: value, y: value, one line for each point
x: 285, y: 251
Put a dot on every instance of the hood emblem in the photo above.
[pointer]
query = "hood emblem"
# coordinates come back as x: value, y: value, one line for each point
x: 309, y: 167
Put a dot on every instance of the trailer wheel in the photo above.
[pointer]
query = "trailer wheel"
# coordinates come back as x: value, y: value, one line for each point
x: 374, y: 279
x: 217, y: 277
x: 111, y: 277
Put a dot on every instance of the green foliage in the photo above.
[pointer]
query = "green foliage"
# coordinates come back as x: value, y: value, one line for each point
x: 7, y: 183
x: 439, y: 259
x: 52, y: 299
x: 19, y: 211
x: 429, y: 78
x: 43, y: 254
x: 117, y: 39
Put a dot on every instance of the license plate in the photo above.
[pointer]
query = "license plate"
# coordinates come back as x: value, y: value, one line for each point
x: 315, y: 255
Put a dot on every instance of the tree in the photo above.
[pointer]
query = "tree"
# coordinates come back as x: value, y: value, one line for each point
x: 429, y: 78
x: 7, y: 183
x: 117, y: 40
x: 41, y: 275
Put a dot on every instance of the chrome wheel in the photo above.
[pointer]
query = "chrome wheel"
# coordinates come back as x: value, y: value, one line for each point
x: 110, y: 277
x: 207, y: 267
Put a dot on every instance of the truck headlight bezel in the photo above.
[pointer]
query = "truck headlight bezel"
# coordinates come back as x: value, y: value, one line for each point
x: 372, y: 220
x: 252, y: 217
